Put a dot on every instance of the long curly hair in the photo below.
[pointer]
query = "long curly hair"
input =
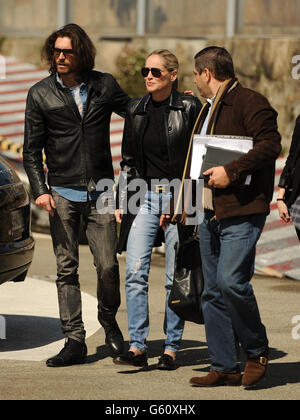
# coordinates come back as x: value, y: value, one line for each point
x: 82, y: 45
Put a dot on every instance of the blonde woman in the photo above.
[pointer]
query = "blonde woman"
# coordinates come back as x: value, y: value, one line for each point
x: 155, y: 143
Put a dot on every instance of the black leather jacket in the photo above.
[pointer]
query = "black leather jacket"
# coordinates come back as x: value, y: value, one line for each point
x: 77, y: 149
x: 290, y: 177
x: 180, y: 119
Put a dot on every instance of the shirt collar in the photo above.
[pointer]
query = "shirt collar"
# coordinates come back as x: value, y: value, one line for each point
x: 211, y: 100
x: 58, y: 79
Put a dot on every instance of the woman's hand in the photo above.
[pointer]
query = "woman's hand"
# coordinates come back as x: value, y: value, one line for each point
x: 119, y: 215
x: 283, y: 211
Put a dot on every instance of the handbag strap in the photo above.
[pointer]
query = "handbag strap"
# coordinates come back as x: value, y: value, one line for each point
x: 196, y: 232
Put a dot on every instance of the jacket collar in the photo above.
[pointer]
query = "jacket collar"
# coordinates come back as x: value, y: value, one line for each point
x: 174, y: 103
x: 226, y: 98
x: 222, y: 97
x: 92, y: 79
x: 58, y: 82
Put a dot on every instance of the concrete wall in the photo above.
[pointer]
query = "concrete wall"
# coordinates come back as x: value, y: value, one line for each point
x: 270, y: 17
x: 266, y: 66
x: 263, y: 63
x: 27, y: 17
x: 194, y: 18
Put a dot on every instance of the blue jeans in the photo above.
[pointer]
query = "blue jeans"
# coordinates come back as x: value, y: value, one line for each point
x: 139, y: 249
x: 229, y: 306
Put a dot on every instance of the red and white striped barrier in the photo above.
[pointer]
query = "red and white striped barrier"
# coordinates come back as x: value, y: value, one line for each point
x: 278, y: 250
x: 13, y: 92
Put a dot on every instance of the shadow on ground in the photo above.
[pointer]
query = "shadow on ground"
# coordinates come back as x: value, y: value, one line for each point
x: 28, y: 332
x: 195, y: 353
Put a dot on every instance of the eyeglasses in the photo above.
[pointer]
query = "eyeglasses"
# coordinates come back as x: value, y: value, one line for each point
x: 155, y: 71
x: 66, y: 52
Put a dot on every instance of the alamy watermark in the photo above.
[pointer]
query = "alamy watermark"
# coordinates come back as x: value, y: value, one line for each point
x: 296, y: 68
x: 296, y: 329
x: 134, y: 194
x: 2, y: 328
x: 2, y: 67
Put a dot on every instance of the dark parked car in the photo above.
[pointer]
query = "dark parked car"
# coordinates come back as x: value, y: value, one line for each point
x: 16, y: 242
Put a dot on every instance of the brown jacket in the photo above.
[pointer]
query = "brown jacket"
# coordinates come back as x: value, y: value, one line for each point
x: 243, y: 112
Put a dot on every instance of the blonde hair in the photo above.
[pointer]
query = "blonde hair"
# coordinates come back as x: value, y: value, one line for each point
x: 170, y: 62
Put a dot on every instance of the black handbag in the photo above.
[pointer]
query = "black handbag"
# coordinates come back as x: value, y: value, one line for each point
x: 188, y: 283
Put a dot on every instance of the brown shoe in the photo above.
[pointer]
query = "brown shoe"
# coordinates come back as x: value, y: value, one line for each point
x: 215, y: 378
x: 255, y: 370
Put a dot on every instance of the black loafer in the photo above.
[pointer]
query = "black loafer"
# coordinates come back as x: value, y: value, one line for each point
x: 140, y: 360
x: 166, y: 362
x: 73, y: 353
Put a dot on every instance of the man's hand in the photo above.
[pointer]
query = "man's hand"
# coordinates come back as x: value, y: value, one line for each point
x: 189, y: 92
x: 46, y: 202
x: 119, y: 215
x: 218, y: 177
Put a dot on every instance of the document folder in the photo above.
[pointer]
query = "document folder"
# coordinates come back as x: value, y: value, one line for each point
x: 227, y: 143
x: 217, y: 156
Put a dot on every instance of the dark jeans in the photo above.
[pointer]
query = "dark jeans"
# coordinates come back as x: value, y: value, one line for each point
x: 102, y: 239
x: 229, y: 306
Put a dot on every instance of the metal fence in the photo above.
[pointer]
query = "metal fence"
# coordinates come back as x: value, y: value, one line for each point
x: 183, y: 18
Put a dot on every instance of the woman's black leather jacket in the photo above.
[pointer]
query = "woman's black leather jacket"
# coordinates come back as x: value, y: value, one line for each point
x: 181, y: 115
x: 290, y: 177
x: 180, y: 118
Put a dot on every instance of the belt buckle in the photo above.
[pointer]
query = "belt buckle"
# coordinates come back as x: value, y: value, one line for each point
x: 263, y: 361
x: 160, y: 188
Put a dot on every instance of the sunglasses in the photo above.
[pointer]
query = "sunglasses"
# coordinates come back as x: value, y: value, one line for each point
x: 66, y: 52
x: 154, y: 71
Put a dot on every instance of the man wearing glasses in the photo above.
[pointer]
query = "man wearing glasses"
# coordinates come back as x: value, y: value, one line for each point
x: 68, y: 116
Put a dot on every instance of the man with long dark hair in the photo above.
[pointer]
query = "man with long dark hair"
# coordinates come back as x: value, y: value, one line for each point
x: 68, y: 116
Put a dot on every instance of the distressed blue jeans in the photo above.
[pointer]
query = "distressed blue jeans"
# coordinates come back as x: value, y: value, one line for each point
x: 138, y: 257
x: 229, y: 306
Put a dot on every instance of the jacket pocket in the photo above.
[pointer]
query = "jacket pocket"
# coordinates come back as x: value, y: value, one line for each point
x: 57, y: 109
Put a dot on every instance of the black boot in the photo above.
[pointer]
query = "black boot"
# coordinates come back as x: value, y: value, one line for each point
x: 114, y: 339
x: 113, y: 335
x: 73, y: 353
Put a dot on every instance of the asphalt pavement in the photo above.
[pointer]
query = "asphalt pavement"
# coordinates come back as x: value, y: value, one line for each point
x: 30, y: 332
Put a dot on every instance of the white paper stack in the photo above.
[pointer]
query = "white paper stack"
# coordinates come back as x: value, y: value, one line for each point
x: 241, y: 144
